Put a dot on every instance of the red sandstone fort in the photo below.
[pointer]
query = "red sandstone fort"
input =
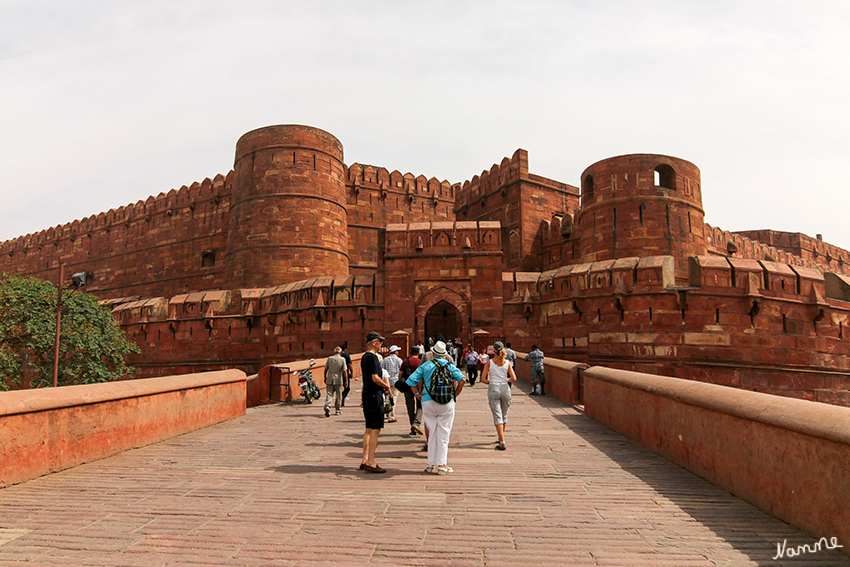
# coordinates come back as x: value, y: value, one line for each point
x: 293, y: 252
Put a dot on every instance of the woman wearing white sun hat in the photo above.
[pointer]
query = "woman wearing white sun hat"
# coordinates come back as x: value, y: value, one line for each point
x: 438, y: 417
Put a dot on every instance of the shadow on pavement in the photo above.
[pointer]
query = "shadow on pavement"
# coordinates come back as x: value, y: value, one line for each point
x: 744, y: 527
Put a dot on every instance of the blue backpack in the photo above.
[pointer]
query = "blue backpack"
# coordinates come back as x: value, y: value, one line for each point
x: 442, y: 388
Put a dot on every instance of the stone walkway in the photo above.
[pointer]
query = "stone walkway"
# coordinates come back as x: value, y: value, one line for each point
x: 281, y: 486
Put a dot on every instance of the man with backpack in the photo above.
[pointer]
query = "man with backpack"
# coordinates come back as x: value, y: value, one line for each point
x: 437, y: 382
x: 414, y: 404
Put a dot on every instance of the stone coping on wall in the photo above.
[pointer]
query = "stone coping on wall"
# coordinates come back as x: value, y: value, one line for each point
x: 824, y: 421
x: 45, y: 399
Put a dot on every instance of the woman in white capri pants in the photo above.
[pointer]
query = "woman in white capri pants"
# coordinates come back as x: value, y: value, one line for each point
x: 499, y: 374
x: 438, y: 417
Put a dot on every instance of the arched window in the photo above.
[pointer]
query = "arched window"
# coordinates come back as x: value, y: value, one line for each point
x: 665, y: 176
x: 587, y: 189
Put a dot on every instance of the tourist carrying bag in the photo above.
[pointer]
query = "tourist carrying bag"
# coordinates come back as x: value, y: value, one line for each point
x: 401, y: 383
x: 442, y: 388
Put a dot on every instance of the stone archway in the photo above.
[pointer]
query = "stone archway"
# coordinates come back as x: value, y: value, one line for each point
x: 443, y: 318
x: 430, y: 312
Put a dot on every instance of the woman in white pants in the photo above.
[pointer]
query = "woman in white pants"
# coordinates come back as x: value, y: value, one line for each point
x: 499, y: 374
x: 438, y: 417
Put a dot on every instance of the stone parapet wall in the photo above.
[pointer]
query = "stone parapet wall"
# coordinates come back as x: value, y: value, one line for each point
x: 788, y: 457
x: 48, y: 430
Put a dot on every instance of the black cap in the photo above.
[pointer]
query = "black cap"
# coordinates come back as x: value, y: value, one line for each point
x: 373, y: 335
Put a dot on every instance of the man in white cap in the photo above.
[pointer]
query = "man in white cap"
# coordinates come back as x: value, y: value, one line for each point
x: 392, y: 364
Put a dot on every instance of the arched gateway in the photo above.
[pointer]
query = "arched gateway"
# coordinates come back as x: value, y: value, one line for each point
x: 442, y: 311
x: 443, y: 318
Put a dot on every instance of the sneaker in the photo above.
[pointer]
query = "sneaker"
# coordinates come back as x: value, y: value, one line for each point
x: 430, y: 469
x: 415, y: 427
x: 327, y: 412
x: 443, y: 470
x: 338, y: 412
x: 501, y: 446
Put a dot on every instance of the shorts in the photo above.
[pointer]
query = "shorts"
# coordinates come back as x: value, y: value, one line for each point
x: 537, y: 376
x: 373, y: 409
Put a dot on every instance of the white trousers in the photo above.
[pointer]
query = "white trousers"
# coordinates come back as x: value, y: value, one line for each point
x: 438, y: 419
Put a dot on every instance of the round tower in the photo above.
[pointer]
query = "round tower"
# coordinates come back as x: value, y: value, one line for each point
x: 641, y: 205
x: 288, y: 219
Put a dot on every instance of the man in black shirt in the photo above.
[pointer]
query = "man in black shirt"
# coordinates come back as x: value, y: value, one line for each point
x: 349, y: 374
x: 374, y: 387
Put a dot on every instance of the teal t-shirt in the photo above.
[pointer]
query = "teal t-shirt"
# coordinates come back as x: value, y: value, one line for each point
x: 426, y: 370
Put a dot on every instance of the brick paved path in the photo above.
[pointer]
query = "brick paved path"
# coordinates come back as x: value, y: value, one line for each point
x: 281, y: 486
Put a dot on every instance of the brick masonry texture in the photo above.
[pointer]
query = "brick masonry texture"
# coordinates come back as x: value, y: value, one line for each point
x: 293, y: 252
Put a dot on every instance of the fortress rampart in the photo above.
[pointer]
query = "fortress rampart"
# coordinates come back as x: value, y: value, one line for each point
x: 161, y: 246
x: 288, y: 219
x: 294, y: 252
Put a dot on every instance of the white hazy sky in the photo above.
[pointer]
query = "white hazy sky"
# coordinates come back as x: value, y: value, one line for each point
x: 104, y: 103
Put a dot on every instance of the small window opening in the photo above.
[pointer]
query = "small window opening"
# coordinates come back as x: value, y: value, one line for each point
x: 665, y: 177
x: 208, y: 259
x: 587, y: 188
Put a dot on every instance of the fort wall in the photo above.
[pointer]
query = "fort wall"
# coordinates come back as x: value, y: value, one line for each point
x: 813, y: 249
x: 377, y: 197
x: 761, y: 326
x: 787, y: 457
x: 161, y: 246
x: 294, y: 252
x: 520, y: 201
x: 289, y: 210
x: 53, y: 429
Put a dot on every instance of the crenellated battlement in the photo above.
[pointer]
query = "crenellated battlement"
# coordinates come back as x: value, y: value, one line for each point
x: 169, y: 204
x: 621, y: 276
x: 510, y: 170
x: 364, y: 176
x: 739, y: 245
x: 443, y: 238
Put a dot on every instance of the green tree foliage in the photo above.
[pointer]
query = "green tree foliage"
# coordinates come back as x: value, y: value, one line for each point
x: 92, y: 347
